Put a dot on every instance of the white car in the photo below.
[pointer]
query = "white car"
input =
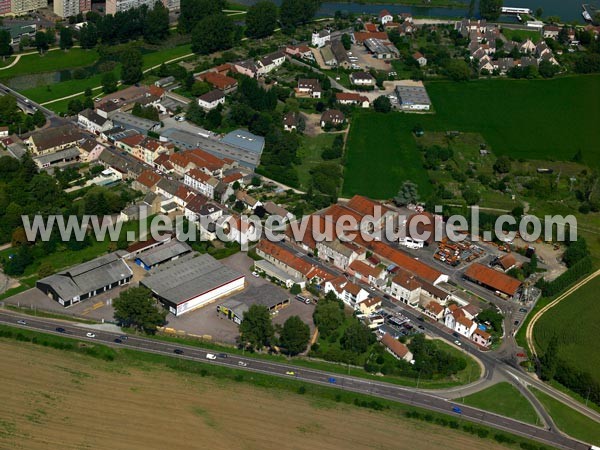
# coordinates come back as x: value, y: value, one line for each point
x: 21, y: 322
x: 90, y: 335
x: 210, y: 356
x: 255, y: 274
x: 242, y: 364
x: 457, y: 342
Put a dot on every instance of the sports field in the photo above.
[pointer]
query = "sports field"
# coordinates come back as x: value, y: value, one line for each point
x: 55, y: 399
x: 575, y: 322
x: 531, y: 119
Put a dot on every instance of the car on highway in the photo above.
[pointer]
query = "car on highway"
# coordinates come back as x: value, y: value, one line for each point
x: 421, y: 327
x: 210, y: 356
x: 178, y: 351
x: 242, y: 364
x: 289, y: 372
x: 516, y: 322
x: 332, y: 380
x: 21, y: 322
x: 118, y: 341
x: 222, y: 355
x: 457, y: 410
x: 61, y: 330
x: 457, y: 342
x: 124, y: 338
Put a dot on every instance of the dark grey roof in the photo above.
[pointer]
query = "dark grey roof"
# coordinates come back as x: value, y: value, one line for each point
x: 55, y: 157
x: 411, y: 95
x: 130, y: 121
x: 183, y: 279
x: 93, y: 117
x: 169, y: 186
x: 88, y: 277
x: 164, y: 252
x: 212, y: 96
x: 120, y: 163
x: 265, y: 295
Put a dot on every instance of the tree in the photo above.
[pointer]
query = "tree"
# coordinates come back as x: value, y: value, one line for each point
x: 39, y: 120
x: 199, y: 88
x: 408, y: 194
x: 294, y: 12
x: 575, y: 252
x: 74, y: 106
x: 195, y: 114
x: 66, y: 38
x: 328, y: 316
x: 156, y: 25
x: 547, y: 70
x: 357, y: 338
x: 346, y: 41
x: 206, y: 39
x: 136, y: 308
x: 109, y: 83
x: 5, y: 48
x: 41, y: 41
x: 458, y: 70
x: 539, y: 12
x: 213, y: 119
x: 88, y: 35
x: 261, y: 19
x: 256, y: 328
x: 131, y: 70
x: 295, y: 289
x: 471, y: 196
x: 490, y: 9
x: 193, y: 11
x: 294, y: 335
x: 382, y: 104
x: 502, y: 164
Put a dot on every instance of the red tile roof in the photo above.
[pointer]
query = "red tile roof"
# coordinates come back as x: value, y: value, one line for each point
x: 435, y: 308
x: 218, y: 80
x: 335, y: 212
x: 361, y: 36
x: 370, y: 27
x: 493, y: 279
x: 397, y: 347
x: 365, y: 206
x: 371, y: 301
x: 148, y: 178
x: 290, y: 259
x: 198, y: 175
x: 405, y: 261
x: 232, y: 177
x: 365, y: 269
x: 350, y: 97
x: 406, y: 280
x: 507, y: 261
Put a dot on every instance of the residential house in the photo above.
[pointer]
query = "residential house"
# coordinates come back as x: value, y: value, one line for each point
x: 340, y: 254
x: 551, y: 31
x: 362, y: 79
x: 91, y: 121
x: 129, y: 168
x: 219, y: 81
x: 270, y: 62
x: 481, y: 337
x: 418, y: 56
x: 90, y: 150
x: 332, y: 117
x: 211, y: 100
x: 351, y: 294
x: 385, y: 17
x: 367, y: 273
x: 320, y: 38
x: 201, y: 181
x: 328, y: 56
x: 146, y: 181
x: 434, y: 310
x: 370, y: 305
x: 248, y: 201
x: 53, y: 139
x: 396, y: 348
x: 310, y: 87
x: 527, y: 47
x: 247, y: 67
x: 341, y: 55
x: 458, y: 322
x: 290, y: 121
x: 275, y: 210
x: 352, y: 98
x: 406, y: 288
x: 193, y: 206
x: 299, y: 51
x: 167, y: 188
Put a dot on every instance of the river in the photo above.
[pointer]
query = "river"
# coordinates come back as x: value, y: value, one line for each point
x: 567, y: 10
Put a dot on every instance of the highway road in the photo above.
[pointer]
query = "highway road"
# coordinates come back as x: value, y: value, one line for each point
x: 388, y: 391
x: 29, y: 106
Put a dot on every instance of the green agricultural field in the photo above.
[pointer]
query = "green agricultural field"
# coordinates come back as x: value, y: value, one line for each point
x: 521, y: 35
x: 503, y: 398
x: 381, y: 153
x: 570, y: 421
x: 51, y: 61
x: 530, y: 119
x: 577, y: 344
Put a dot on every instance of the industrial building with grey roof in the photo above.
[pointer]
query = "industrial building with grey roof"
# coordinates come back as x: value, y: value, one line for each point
x: 192, y: 281
x: 86, y: 280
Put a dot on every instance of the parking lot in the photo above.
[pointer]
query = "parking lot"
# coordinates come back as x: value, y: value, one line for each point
x: 366, y: 60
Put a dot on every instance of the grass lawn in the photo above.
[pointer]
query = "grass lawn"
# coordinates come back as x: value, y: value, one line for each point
x: 570, y: 421
x: 51, y: 61
x: 577, y: 345
x: 310, y: 151
x: 522, y: 35
x: 518, y: 118
x: 381, y: 153
x: 503, y: 398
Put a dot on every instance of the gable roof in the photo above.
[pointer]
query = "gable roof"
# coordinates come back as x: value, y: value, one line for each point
x: 218, y: 80
x: 148, y: 178
x: 406, y: 262
x: 212, y: 96
x: 397, y: 347
x: 493, y: 279
x: 365, y: 269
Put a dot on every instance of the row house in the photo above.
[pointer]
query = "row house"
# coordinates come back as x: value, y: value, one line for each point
x: 90, y: 120
x: 146, y: 181
x: 270, y: 62
x: 299, y: 51
x: 184, y: 161
x: 370, y: 305
x: 350, y: 293
x: 366, y: 273
x: 201, y: 181
x: 456, y: 320
x: 340, y: 254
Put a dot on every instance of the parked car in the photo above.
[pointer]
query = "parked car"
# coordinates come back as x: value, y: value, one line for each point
x: 21, y: 322
x: 455, y: 334
x: 457, y: 342
x: 210, y: 356
x: 178, y: 351
x: 90, y: 335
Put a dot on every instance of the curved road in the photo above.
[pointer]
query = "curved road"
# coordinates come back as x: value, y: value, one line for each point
x: 378, y: 389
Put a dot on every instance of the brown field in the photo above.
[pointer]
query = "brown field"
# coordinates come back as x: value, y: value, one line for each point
x: 53, y: 399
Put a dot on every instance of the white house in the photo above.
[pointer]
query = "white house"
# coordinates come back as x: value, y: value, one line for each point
x: 211, y: 100
x: 340, y: 254
x: 420, y: 58
x: 385, y: 17
x: 456, y: 320
x: 406, y: 288
x: 320, y: 38
x: 351, y: 294
x: 309, y: 86
x: 270, y: 62
x: 200, y: 181
x: 93, y: 122
x: 362, y: 79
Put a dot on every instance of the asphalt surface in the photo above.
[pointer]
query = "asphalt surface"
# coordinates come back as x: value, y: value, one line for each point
x: 388, y: 391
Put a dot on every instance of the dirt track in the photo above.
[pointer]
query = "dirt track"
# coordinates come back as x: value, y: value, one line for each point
x: 53, y: 399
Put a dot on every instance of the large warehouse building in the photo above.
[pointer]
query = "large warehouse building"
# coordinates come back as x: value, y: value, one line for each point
x: 272, y: 297
x: 502, y: 284
x: 86, y: 280
x: 191, y: 282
